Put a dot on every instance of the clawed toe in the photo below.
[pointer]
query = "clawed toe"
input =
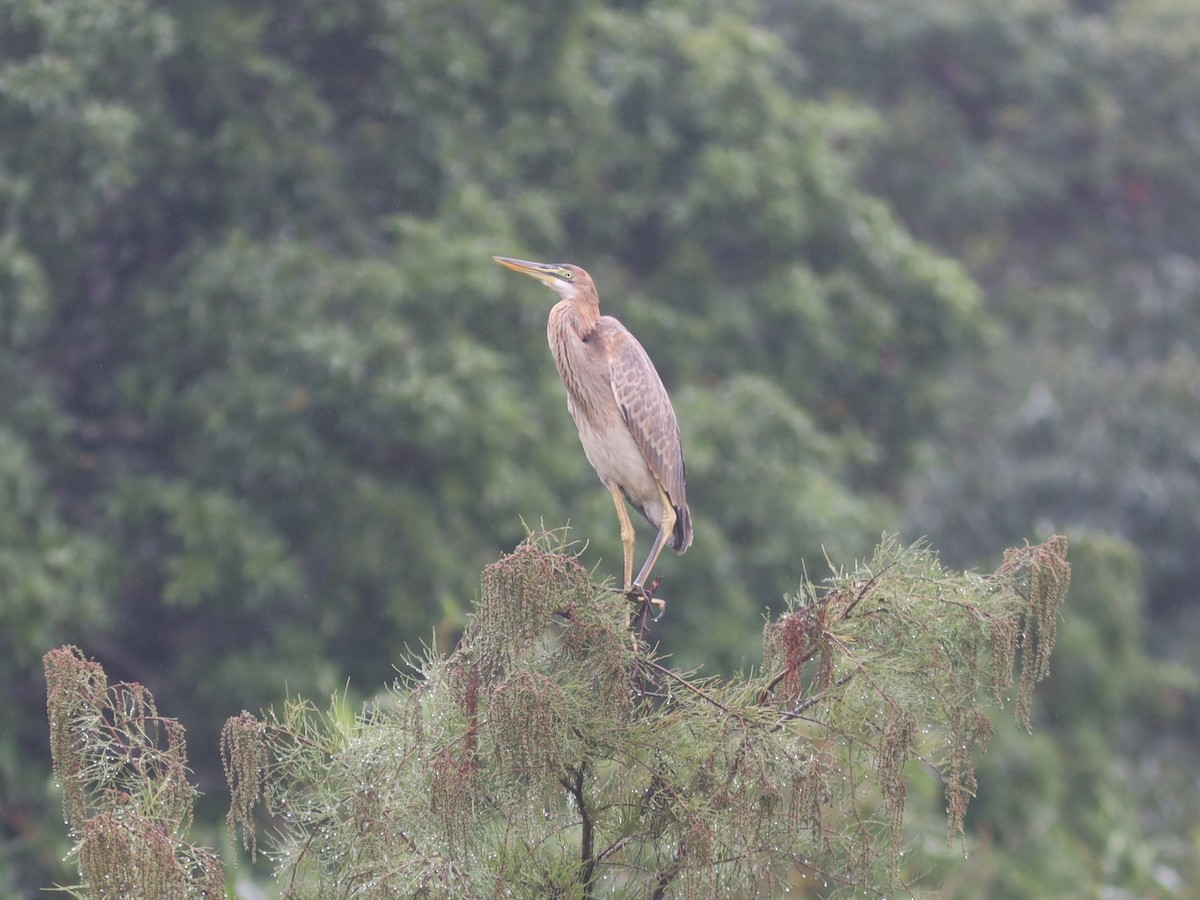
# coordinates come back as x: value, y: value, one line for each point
x: 645, y: 596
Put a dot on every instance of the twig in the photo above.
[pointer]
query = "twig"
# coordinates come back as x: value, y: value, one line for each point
x: 862, y: 591
x: 663, y: 670
x: 587, y: 839
x: 802, y: 705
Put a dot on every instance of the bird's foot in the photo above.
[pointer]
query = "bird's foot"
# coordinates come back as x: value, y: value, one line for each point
x: 645, y: 597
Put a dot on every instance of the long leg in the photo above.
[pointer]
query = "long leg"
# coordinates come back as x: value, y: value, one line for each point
x: 626, y: 534
x: 664, y: 530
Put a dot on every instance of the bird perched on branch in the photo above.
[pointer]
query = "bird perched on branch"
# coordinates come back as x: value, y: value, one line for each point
x: 625, y: 420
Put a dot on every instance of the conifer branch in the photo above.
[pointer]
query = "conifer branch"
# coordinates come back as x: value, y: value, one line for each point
x: 548, y: 734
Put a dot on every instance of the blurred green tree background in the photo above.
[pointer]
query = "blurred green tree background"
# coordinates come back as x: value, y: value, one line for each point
x: 269, y: 408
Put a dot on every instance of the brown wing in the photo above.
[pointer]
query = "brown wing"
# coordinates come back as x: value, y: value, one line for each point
x: 647, y: 410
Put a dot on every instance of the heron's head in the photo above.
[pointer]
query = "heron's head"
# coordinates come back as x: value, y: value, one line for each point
x: 571, y: 282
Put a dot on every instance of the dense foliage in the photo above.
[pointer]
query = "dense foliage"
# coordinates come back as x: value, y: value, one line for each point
x: 269, y: 410
x: 552, y: 754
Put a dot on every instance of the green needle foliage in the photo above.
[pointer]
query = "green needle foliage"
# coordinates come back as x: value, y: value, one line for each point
x: 126, y: 795
x: 553, y: 754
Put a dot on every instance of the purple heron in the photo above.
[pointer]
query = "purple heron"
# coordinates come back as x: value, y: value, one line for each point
x: 621, y: 409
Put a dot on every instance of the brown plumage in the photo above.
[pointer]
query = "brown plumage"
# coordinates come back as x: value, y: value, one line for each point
x: 625, y: 420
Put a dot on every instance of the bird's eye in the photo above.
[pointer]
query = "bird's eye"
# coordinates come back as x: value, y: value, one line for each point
x: 568, y: 274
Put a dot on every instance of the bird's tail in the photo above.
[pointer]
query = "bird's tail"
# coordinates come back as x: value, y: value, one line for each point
x: 681, y: 537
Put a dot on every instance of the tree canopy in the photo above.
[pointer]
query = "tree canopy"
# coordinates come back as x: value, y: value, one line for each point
x: 553, y: 754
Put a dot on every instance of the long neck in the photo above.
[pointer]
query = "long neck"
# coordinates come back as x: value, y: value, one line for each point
x: 571, y: 330
x: 575, y: 317
x: 566, y: 330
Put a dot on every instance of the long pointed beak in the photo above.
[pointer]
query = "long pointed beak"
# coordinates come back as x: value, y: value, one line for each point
x: 543, y: 272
